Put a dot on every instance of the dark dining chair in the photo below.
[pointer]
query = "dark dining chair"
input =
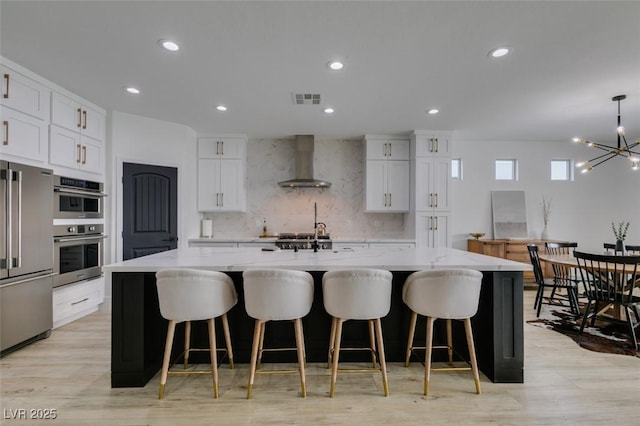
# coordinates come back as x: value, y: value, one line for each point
x: 610, y: 280
x: 564, y: 276
x: 543, y: 283
x: 629, y: 248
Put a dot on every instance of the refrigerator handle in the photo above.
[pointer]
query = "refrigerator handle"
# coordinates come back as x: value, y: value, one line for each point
x: 19, y: 254
x: 9, y: 219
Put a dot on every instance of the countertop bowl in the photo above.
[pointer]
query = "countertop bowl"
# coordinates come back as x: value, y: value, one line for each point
x: 477, y: 235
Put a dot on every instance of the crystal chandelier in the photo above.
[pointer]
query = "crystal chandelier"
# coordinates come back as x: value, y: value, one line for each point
x: 623, y: 150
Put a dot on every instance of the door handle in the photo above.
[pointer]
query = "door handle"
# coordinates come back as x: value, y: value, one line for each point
x: 5, y: 123
x: 170, y: 239
x: 79, y: 118
x: 84, y: 154
x: 79, y: 147
x: 84, y: 116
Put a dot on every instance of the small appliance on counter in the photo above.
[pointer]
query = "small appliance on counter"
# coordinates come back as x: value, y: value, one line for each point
x: 26, y: 264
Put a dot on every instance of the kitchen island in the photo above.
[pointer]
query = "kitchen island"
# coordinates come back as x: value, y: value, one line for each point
x: 138, y: 330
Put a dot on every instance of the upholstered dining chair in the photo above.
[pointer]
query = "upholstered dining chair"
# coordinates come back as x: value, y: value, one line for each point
x: 277, y: 295
x: 610, y: 281
x: 443, y: 294
x: 187, y: 295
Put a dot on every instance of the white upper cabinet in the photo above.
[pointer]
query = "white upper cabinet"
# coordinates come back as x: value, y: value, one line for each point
x: 23, y: 135
x: 387, y: 174
x: 432, y: 184
x: 24, y: 94
x: 24, y: 116
x: 75, y: 115
x: 77, y: 134
x: 222, y: 174
x: 386, y: 149
x: 222, y: 147
x: 431, y: 144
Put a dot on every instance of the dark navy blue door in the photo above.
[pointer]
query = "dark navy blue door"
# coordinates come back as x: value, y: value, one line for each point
x: 149, y: 211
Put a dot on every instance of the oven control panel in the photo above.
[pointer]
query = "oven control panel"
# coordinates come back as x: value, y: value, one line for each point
x: 65, y: 230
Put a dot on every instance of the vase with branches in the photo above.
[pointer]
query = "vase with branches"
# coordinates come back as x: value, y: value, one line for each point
x: 546, y: 212
x: 620, y: 232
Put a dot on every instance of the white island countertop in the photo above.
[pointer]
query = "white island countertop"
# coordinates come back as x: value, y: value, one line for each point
x: 240, y: 259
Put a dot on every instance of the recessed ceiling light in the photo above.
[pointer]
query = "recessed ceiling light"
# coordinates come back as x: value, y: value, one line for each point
x: 169, y: 45
x: 221, y: 108
x: 433, y: 111
x: 499, y: 52
x: 328, y: 110
x: 132, y: 90
x: 336, y: 65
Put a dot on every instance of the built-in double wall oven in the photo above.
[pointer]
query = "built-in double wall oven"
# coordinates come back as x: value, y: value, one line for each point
x: 77, y: 198
x: 78, y: 253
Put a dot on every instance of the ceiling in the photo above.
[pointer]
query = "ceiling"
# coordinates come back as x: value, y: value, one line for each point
x: 401, y: 58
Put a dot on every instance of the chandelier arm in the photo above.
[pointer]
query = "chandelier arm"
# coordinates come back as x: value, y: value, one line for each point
x: 612, y: 154
x: 599, y: 146
x: 605, y: 160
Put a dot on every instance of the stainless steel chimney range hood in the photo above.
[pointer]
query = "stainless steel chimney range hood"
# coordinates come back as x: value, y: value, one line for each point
x: 304, y: 166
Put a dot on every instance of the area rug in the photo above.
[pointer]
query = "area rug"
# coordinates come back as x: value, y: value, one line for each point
x: 604, y: 337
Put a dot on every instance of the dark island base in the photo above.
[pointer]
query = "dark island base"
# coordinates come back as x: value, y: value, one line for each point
x: 139, y: 331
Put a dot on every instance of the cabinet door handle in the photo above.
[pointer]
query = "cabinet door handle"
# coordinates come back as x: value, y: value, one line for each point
x: 436, y: 197
x: 5, y: 123
x: 84, y: 116
x: 78, y: 146
x: 84, y: 154
x: 436, y: 144
x: 430, y: 144
x: 222, y: 199
x: 222, y: 148
x: 389, y: 149
x: 436, y: 218
x: 390, y: 200
x: 6, y: 94
x: 217, y: 147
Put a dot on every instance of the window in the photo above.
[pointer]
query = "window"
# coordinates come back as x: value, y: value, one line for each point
x: 456, y: 168
x: 561, y: 170
x: 506, y: 170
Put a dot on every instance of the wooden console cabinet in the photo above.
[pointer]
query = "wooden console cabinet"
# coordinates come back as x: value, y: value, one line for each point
x: 512, y: 250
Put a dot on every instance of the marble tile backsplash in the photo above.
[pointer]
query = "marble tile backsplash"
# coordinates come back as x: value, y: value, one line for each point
x: 341, y: 207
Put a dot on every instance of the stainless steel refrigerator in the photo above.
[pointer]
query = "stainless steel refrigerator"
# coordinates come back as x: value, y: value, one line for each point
x: 26, y: 254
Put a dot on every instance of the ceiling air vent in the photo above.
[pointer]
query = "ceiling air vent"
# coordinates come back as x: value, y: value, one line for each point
x: 306, y: 98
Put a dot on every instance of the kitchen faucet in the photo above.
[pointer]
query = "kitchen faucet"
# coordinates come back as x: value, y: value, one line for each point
x: 315, y: 227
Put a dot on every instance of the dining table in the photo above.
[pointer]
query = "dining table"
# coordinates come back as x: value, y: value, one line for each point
x: 569, y: 260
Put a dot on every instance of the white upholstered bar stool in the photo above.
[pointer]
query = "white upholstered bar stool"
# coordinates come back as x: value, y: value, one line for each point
x: 187, y: 295
x: 447, y: 294
x: 277, y: 295
x: 357, y: 294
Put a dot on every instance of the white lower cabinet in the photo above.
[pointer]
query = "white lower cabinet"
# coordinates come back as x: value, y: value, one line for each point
x: 74, y: 301
x: 227, y: 244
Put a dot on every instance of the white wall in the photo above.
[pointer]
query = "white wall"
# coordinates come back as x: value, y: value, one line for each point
x: 581, y: 210
x: 136, y: 139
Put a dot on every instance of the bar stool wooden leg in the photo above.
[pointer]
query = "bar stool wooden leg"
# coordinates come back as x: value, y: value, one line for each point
x: 427, y: 355
x: 372, y: 342
x: 167, y: 357
x: 214, y: 355
x: 449, y: 343
x: 187, y: 343
x: 297, y: 323
x: 227, y: 339
x: 261, y: 345
x: 383, y: 362
x: 472, y: 353
x: 332, y: 338
x: 254, y: 355
x: 336, y: 356
x: 412, y: 332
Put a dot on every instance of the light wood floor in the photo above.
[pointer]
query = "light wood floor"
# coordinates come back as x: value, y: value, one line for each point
x: 564, y: 384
